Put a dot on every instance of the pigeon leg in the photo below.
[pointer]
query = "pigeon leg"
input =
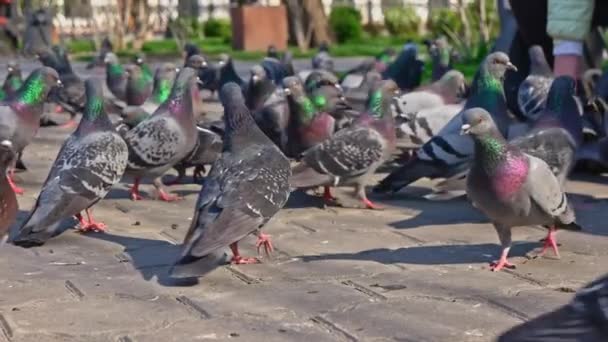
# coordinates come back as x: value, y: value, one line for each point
x: 198, y: 172
x: 91, y: 225
x: 135, y: 196
x: 70, y: 124
x: 237, y: 259
x: 327, y: 196
x: 81, y: 220
x: 360, y: 190
x: 550, y: 241
x: 504, y: 234
x: 264, y: 241
x: 162, y: 194
x: 181, y: 172
x: 11, y: 182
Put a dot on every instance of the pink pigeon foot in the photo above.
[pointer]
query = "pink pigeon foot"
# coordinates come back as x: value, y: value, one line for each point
x: 370, y: 205
x: 70, y: 124
x: 90, y: 225
x: 327, y: 196
x: 11, y: 182
x: 550, y: 241
x: 237, y: 259
x: 135, y: 195
x: 163, y: 196
x: 264, y: 241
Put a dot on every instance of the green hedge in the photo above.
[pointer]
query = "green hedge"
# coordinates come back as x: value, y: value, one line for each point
x: 345, y: 22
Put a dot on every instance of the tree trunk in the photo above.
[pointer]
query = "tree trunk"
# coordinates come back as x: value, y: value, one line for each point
x: 465, y: 23
x: 318, y: 21
x: 297, y: 29
x: 484, y: 30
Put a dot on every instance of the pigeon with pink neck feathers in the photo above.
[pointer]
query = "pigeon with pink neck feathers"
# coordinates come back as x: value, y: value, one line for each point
x: 351, y: 155
x: 513, y: 188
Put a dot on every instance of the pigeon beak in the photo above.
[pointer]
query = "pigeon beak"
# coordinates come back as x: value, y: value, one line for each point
x: 10, y: 69
x: 510, y: 66
x: 176, y: 69
x: 199, y: 81
x: 139, y: 61
x: 204, y: 65
x: 339, y: 87
x: 59, y: 83
x: 221, y: 63
x: 287, y: 91
x: 465, y: 129
x: 255, y: 78
x: 6, y: 143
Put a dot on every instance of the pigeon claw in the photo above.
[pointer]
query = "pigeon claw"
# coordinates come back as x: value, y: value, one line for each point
x: 327, y: 196
x: 370, y: 205
x: 16, y: 189
x: 500, y: 264
x: 163, y: 196
x: 239, y: 260
x: 550, y: 241
x: 264, y: 241
x: 70, y: 124
x: 96, y: 227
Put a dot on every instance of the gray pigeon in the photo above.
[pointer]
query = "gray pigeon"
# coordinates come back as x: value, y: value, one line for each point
x: 8, y: 200
x: 13, y: 81
x: 323, y: 60
x: 448, y: 153
x: 351, y: 155
x: 165, y: 138
x: 207, y: 150
x: 511, y: 187
x: 245, y: 188
x: 20, y: 116
x: 324, y: 89
x: 357, y: 96
x: 584, y: 319
x: 88, y: 164
x: 533, y: 91
x: 116, y: 77
x: 105, y: 48
x: 420, y: 127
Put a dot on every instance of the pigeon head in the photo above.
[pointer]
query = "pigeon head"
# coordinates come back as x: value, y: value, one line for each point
x: 48, y: 58
x: 110, y: 58
x: 139, y: 59
x: 190, y: 50
x: 13, y: 68
x: 538, y: 61
x: 497, y: 64
x: 163, y: 81
x: 224, y: 59
x: 236, y: 113
x: 94, y: 106
x: 257, y: 74
x: 196, y: 62
x: 272, y: 51
x: 319, y: 77
x: 454, y: 82
x: 293, y: 86
x: 37, y: 86
x: 7, y: 154
x: 381, y: 96
x: 477, y: 122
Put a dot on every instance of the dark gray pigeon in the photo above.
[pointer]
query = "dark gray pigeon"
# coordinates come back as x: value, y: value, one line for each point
x: 8, y: 200
x: 245, y: 188
x: 20, y: 116
x: 323, y: 60
x: 533, y: 91
x: 104, y: 49
x: 407, y: 69
x: 351, y: 155
x: 584, y: 319
x: 259, y: 88
x: 512, y: 188
x: 116, y: 77
x: 165, y: 138
x: 227, y: 72
x: 449, y: 153
x: 88, y: 164
x: 207, y: 150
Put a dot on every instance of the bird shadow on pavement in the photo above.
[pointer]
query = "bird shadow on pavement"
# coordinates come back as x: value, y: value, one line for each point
x: 430, y: 255
x: 152, y: 258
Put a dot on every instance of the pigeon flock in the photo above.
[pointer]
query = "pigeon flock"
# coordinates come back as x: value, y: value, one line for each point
x: 285, y: 131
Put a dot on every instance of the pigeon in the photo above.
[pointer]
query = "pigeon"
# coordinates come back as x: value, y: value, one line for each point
x: 207, y: 150
x: 166, y: 137
x: 191, y: 49
x: 357, y: 96
x: 449, y: 89
x: 323, y: 60
x: 287, y: 61
x: 448, y: 153
x: 406, y: 70
x: 245, y: 188
x: 13, y: 81
x: 116, y: 77
x: 98, y: 61
x: 440, y: 53
x: 259, y: 88
x: 584, y: 319
x: 323, y: 88
x: 354, y: 153
x: 8, y: 199
x: 513, y: 188
x: 37, y: 35
x: 533, y: 91
x: 140, y: 61
x: 309, y: 125
x: 272, y: 52
x: 89, y: 163
x: 20, y: 116
x: 227, y: 72
x: 420, y: 127
x: 138, y: 89
x: 275, y: 69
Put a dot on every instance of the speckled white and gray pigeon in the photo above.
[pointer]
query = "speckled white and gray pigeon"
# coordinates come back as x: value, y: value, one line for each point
x: 88, y: 164
x: 584, y: 319
x: 351, y: 155
x: 533, y: 91
x: 513, y: 188
x: 245, y: 188
x: 165, y: 138
x: 448, y: 153
x: 20, y: 116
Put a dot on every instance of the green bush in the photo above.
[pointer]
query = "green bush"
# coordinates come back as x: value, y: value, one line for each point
x: 401, y: 20
x: 443, y: 20
x: 346, y: 23
x: 81, y: 46
x: 219, y: 28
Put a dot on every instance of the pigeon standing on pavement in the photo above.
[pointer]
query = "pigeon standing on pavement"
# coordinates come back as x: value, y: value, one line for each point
x: 511, y: 187
x: 13, y: 81
x: 245, y: 188
x: 533, y: 91
x: 166, y: 137
x: 449, y: 153
x: 20, y: 116
x: 88, y: 164
x: 8, y: 199
x: 351, y: 155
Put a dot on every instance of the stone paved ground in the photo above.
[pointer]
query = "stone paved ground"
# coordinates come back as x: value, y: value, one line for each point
x: 417, y: 271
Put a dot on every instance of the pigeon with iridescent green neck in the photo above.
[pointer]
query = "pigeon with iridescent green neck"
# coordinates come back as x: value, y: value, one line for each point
x: 448, y: 152
x: 324, y: 89
x: 351, y: 155
x: 116, y: 77
x: 309, y: 124
x: 166, y: 137
x: 13, y: 81
x: 512, y: 188
x: 88, y: 164
x: 148, y: 74
x: 20, y: 116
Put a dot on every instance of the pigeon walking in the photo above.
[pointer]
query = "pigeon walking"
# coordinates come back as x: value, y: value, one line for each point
x: 449, y: 153
x: 533, y: 91
x: 20, y: 116
x: 354, y: 153
x: 88, y: 164
x: 165, y: 138
x: 13, y: 81
x: 511, y: 187
x: 245, y: 188
x: 8, y: 199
